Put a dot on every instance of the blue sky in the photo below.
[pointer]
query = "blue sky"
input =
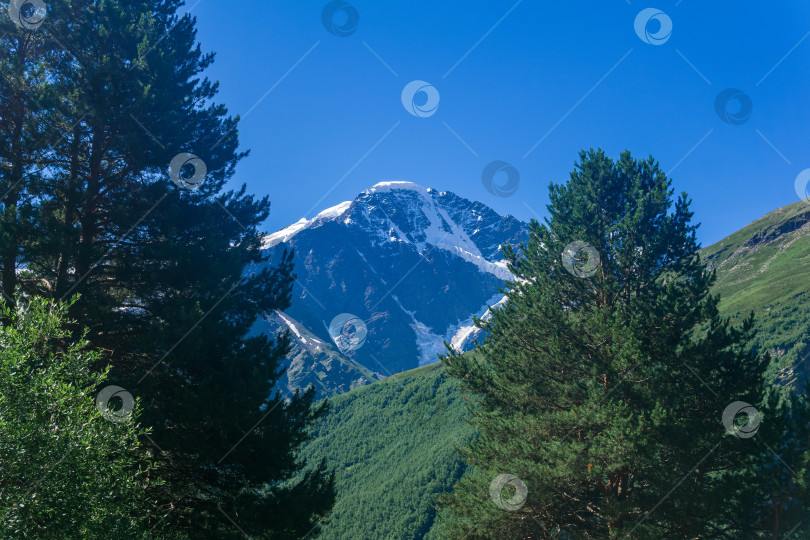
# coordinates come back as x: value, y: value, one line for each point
x: 324, y: 119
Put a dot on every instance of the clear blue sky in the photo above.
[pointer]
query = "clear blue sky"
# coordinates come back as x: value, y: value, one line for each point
x: 525, y: 81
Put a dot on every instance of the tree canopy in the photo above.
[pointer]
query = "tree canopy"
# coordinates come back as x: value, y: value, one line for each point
x: 604, y: 383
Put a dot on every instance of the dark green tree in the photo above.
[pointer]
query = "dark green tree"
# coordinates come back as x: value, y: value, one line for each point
x: 777, y: 503
x: 168, y: 264
x: 603, y: 380
x: 26, y: 115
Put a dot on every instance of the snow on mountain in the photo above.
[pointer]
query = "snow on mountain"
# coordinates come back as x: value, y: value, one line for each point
x: 291, y: 325
x: 497, y: 268
x: 288, y: 232
x: 461, y: 336
x: 413, y: 263
x: 429, y: 223
x: 465, y: 335
x: 395, y: 185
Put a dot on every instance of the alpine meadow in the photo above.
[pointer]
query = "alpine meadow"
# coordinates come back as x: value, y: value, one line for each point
x: 531, y: 270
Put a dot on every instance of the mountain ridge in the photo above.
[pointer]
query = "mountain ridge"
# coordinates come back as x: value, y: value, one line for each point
x: 409, y: 266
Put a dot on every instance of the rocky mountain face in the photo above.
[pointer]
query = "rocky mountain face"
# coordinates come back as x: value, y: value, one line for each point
x: 384, y: 280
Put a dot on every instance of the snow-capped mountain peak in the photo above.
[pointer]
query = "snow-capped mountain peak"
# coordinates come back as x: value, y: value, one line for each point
x: 417, y: 214
x: 396, y: 184
x: 413, y: 263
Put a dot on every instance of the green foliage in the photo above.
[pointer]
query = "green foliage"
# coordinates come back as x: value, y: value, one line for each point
x: 67, y: 472
x: 97, y: 103
x: 598, y: 392
x: 776, y: 502
x: 391, y: 445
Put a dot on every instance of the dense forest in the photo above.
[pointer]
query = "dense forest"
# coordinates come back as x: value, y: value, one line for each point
x: 395, y: 445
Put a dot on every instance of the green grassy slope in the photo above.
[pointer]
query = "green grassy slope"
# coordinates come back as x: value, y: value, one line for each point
x: 390, y: 443
x: 765, y: 268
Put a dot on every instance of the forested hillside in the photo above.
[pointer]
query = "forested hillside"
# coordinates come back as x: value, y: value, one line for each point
x: 391, y: 444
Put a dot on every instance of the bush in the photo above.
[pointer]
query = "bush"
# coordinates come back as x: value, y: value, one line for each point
x: 67, y: 470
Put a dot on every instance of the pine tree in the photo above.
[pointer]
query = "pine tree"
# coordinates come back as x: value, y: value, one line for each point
x: 26, y: 116
x: 168, y: 265
x: 602, y: 384
x: 777, y: 501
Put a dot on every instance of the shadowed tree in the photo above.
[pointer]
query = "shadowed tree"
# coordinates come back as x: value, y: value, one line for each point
x: 27, y: 116
x: 171, y: 279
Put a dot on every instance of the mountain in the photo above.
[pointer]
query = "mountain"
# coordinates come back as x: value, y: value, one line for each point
x: 384, y: 280
x: 390, y: 442
x: 764, y: 268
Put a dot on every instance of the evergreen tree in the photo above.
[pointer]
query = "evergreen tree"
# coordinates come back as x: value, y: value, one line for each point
x: 67, y: 471
x: 168, y: 264
x: 603, y: 380
x: 777, y: 502
x: 26, y: 115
